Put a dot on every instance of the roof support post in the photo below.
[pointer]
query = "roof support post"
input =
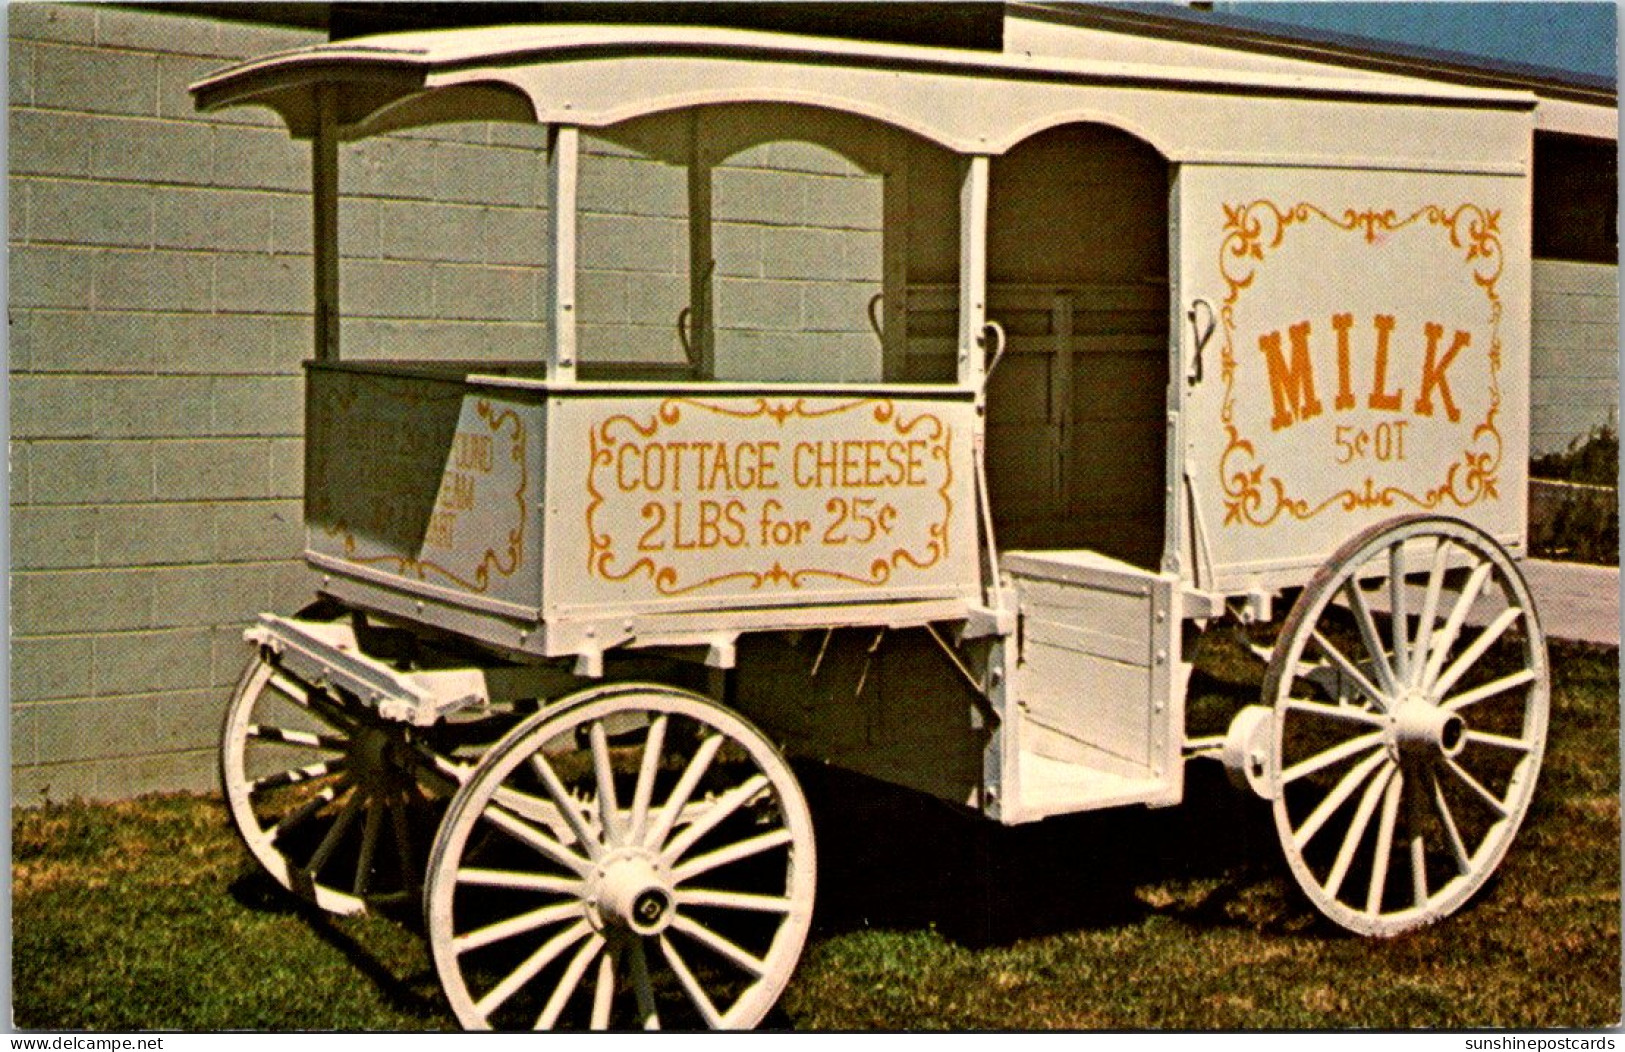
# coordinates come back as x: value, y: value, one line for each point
x: 973, y: 191
x: 564, y: 151
x: 324, y: 164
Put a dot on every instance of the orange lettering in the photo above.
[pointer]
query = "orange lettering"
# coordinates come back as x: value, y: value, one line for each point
x: 1342, y: 323
x: 1291, y: 386
x: 1433, y: 372
x: 1381, y: 399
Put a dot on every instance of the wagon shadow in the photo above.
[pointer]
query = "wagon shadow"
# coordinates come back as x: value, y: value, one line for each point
x: 415, y: 993
x: 893, y: 859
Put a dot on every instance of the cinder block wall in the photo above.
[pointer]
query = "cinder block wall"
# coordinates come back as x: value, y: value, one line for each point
x: 159, y: 309
x: 1574, y: 353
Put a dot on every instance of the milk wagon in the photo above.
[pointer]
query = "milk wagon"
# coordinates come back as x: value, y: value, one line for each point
x: 908, y: 409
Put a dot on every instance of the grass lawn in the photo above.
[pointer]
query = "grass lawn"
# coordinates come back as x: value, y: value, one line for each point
x: 147, y: 914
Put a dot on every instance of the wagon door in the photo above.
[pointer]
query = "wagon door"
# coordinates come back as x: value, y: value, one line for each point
x: 1366, y: 357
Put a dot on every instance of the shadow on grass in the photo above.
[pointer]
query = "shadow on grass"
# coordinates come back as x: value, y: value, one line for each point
x: 404, y: 993
x: 889, y: 858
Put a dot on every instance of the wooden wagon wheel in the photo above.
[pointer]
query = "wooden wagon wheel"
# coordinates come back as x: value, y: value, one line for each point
x: 325, y: 794
x: 1409, y: 723
x: 635, y: 856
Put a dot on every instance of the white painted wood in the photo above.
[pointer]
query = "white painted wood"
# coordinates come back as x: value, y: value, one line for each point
x: 564, y: 152
x: 973, y: 203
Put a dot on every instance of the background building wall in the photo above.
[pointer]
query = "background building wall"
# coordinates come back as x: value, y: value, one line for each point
x: 159, y: 309
x: 1574, y: 353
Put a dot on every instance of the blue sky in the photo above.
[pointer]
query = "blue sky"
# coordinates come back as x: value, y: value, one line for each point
x: 1578, y: 37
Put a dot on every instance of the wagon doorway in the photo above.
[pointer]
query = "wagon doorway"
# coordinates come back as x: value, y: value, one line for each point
x: 1077, y: 268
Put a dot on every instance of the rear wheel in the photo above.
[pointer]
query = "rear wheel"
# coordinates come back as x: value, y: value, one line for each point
x: 633, y: 857
x: 1410, y: 690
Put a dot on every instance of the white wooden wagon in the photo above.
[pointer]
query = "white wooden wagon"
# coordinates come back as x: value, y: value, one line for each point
x: 908, y: 409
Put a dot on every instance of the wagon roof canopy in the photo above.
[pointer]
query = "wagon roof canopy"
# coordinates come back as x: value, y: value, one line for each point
x: 528, y: 73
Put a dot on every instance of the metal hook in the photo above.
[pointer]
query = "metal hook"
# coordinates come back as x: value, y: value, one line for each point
x: 1202, y: 332
x: 992, y: 329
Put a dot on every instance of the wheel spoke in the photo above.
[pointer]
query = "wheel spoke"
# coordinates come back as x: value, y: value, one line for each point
x: 517, y: 925
x: 1352, y: 747
x: 298, y: 774
x: 644, y: 793
x: 1385, y: 842
x: 692, y: 774
x: 728, y: 855
x: 1397, y: 617
x: 1489, y: 690
x: 1335, y: 799
x: 1369, y: 635
x: 1430, y: 610
x: 609, y: 808
x: 335, y: 833
x: 1499, y: 741
x: 535, y: 839
x: 1452, y: 834
x: 288, y: 736
x: 1349, y: 669
x: 642, y: 988
x: 1356, y: 830
x: 565, y: 803
x: 1470, y: 656
x: 724, y: 806
x: 306, y: 810
x: 1445, y: 638
x: 722, y: 946
x: 732, y: 900
x: 603, y: 993
x: 403, y: 842
x: 507, y: 878
x: 549, y: 951
x: 1335, y: 712
x: 369, y: 846
x: 569, y: 981
x: 1494, y: 802
x: 691, y: 986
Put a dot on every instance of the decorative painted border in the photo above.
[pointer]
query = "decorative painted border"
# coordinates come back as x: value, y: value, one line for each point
x: 1256, y: 497
x: 515, y: 553
x: 601, y: 554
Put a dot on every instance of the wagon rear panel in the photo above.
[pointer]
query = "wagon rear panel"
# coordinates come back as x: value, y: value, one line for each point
x: 1369, y: 358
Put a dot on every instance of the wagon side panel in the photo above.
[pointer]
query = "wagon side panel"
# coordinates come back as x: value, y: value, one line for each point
x: 1369, y: 358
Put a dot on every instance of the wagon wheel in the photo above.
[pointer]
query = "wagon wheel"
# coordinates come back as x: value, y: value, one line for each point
x: 325, y: 794
x: 631, y: 857
x: 1410, y: 721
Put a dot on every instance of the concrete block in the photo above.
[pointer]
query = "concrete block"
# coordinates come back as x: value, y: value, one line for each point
x: 53, y: 538
x: 258, y: 530
x: 81, y: 729
x: 258, y: 405
x: 209, y: 595
x: 486, y: 293
x: 750, y: 195
x: 17, y: 209
x: 517, y: 237
x: 91, y: 471
x: 62, y: 23
x: 796, y: 156
x: 136, y: 150
x: 156, y: 280
x: 188, y: 719
x: 804, y: 253
x: 37, y: 785
x: 48, y: 144
x: 229, y: 654
x: 601, y: 296
x: 95, y: 80
x: 864, y: 255
x: 45, y: 667
x: 155, y: 534
x: 128, y: 776
x: 838, y: 307
x: 231, y: 344
x: 372, y: 289
x: 642, y: 243
x: 257, y: 283
x: 391, y: 166
x: 853, y: 203
x: 20, y: 73
x: 488, y: 175
x: 214, y: 220
x: 146, y: 662
x: 758, y: 305
x: 415, y: 230
x: 292, y: 586
x: 211, y: 469
x: 149, y: 406
x: 170, y: 32
x: 287, y: 467
x: 80, y: 341
x: 47, y: 276
x: 251, y: 40
x: 656, y: 299
x: 60, y: 602
x: 91, y: 213
x: 20, y: 475
x: 50, y: 406
x: 249, y: 158
x: 737, y: 249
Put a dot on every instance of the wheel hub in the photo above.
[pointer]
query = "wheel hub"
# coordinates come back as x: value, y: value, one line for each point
x: 630, y: 892
x: 378, y: 756
x: 1419, y: 728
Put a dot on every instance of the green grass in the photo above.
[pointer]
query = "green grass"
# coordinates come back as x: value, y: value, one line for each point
x: 147, y: 914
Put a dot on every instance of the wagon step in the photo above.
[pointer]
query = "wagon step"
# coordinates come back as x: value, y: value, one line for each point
x: 327, y: 654
x: 1054, y: 787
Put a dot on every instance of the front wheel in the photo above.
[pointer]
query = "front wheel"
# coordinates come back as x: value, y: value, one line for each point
x: 635, y: 857
x: 1410, y: 691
